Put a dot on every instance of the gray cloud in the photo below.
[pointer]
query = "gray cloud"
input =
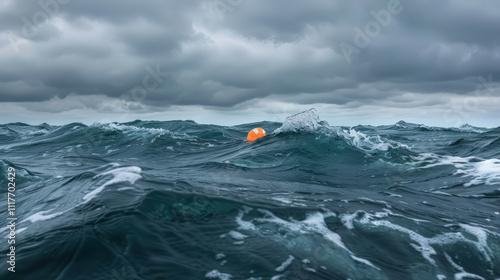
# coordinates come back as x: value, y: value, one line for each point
x: 257, y: 49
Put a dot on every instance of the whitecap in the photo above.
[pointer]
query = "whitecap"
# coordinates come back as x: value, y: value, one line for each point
x: 215, y: 274
x: 124, y: 174
x: 41, y: 216
x: 306, y: 121
x: 421, y: 243
x: 237, y: 235
x: 313, y: 224
x: 285, y: 264
x: 482, y: 171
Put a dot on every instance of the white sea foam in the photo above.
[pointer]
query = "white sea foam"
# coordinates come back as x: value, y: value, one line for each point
x: 237, y: 235
x: 124, y: 174
x: 128, y: 128
x: 246, y: 225
x: 282, y: 199
x: 285, y: 264
x: 482, y: 237
x: 369, y: 143
x: 41, y: 216
x: 111, y: 151
x: 143, y: 131
x: 313, y: 224
x: 481, y: 171
x: 365, y: 142
x: 125, y: 188
x: 421, y: 243
x: 215, y: 274
x: 469, y: 128
x: 462, y: 274
x: 484, y: 172
x: 308, y: 121
x: 21, y: 230
x: 429, y: 160
x: 36, y: 133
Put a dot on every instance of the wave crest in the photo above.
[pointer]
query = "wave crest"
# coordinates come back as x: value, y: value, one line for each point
x: 306, y: 121
x: 309, y: 122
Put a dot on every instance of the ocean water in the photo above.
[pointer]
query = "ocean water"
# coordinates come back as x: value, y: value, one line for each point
x: 311, y: 200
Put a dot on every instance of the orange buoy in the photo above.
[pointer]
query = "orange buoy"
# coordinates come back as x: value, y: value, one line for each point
x: 255, y: 134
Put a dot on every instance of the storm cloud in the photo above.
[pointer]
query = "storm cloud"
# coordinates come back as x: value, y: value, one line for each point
x: 147, y: 56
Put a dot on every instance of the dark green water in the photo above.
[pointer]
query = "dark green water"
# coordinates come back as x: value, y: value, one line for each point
x: 180, y: 200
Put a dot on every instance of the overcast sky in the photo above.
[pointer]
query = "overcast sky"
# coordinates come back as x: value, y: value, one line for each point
x: 237, y: 61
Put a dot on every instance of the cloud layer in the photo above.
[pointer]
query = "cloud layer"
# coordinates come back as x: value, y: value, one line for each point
x: 59, y: 55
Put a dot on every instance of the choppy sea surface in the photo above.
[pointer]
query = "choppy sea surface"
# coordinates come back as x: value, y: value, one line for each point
x: 311, y: 200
